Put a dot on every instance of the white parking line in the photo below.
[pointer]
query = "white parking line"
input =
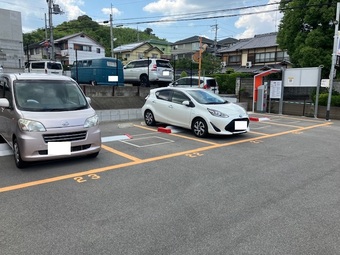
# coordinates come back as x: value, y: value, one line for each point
x: 5, y: 150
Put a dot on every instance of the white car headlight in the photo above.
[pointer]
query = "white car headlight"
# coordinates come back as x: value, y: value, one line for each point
x: 92, y: 121
x: 217, y: 113
x: 31, y: 126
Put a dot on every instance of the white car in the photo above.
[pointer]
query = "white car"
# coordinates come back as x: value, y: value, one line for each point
x: 192, y: 81
x: 197, y: 109
x: 144, y: 72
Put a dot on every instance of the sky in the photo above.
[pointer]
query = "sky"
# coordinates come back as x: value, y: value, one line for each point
x: 172, y: 20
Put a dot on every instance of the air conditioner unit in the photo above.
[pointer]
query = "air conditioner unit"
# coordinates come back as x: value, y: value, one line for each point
x: 248, y: 64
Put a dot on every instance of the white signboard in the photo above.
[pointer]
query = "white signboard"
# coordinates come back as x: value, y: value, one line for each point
x: 275, y: 89
x: 302, y: 77
x: 325, y: 83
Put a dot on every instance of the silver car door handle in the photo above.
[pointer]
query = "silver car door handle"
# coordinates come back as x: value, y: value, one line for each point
x: 170, y: 106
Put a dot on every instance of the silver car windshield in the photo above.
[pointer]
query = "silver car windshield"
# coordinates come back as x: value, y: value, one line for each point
x: 206, y: 97
x: 48, y: 95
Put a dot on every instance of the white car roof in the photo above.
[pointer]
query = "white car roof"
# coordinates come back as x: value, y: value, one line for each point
x: 38, y: 76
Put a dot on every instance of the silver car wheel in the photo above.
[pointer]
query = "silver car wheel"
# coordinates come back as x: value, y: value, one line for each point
x: 149, y: 118
x: 17, y: 156
x: 200, y: 128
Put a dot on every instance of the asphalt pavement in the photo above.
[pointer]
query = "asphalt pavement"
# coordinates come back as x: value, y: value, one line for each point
x: 274, y: 190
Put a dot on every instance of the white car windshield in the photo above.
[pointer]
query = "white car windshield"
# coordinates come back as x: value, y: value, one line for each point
x: 206, y: 97
x: 48, y: 95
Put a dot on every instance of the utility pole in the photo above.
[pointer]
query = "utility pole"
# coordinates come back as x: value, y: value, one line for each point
x: 111, y: 33
x: 215, y: 41
x: 334, y: 56
x: 52, y: 9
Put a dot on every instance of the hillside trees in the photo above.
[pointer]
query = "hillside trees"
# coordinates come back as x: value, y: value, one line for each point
x: 306, y: 34
x: 100, y: 33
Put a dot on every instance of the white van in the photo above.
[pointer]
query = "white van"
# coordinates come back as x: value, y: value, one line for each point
x: 44, y: 66
x: 45, y: 117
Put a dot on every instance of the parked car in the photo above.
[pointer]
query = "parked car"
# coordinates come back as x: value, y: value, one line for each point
x: 197, y: 109
x: 45, y: 117
x: 192, y: 81
x: 44, y: 66
x: 98, y: 71
x: 144, y: 72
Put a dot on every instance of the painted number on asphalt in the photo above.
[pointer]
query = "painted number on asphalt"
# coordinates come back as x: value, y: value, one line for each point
x: 82, y: 179
x: 194, y: 155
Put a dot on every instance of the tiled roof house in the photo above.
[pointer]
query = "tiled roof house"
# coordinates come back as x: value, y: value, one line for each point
x: 253, y: 54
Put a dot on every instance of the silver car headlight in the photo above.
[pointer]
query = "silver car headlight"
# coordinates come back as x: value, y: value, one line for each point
x: 217, y: 113
x: 31, y: 125
x: 91, y: 122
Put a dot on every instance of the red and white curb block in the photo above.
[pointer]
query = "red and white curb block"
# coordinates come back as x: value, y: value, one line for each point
x: 258, y: 118
x: 168, y: 129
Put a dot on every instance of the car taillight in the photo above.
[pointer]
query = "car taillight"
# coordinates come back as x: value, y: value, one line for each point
x: 154, y: 67
x: 206, y: 86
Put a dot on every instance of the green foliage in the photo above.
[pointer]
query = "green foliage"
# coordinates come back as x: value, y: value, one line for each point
x: 183, y: 74
x: 185, y: 63
x: 227, y: 82
x: 210, y: 63
x: 100, y: 33
x: 323, y: 99
x: 306, y: 34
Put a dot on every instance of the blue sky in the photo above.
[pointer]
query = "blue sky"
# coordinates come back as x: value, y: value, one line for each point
x: 185, y: 18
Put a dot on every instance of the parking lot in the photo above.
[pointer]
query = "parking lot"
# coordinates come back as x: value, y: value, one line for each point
x: 161, y: 190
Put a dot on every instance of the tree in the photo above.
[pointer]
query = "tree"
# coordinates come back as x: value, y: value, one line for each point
x: 305, y: 32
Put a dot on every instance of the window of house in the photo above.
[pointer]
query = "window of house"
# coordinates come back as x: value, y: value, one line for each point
x: 154, y: 55
x: 140, y: 55
x: 127, y: 55
x: 82, y: 47
x: 98, y: 50
x: 234, y: 59
x: 281, y: 55
x: 265, y: 57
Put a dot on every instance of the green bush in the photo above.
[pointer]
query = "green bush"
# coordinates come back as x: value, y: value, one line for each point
x: 323, y: 99
x: 183, y: 74
x: 227, y: 81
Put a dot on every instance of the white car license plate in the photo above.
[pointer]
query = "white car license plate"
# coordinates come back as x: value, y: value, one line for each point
x: 240, y: 125
x: 166, y: 73
x: 59, y: 148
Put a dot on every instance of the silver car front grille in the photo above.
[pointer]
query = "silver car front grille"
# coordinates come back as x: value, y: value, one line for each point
x: 65, y: 137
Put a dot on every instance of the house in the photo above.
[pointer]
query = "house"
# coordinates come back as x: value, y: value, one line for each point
x: 164, y: 46
x: 254, y: 54
x: 226, y: 43
x: 187, y: 47
x: 11, y: 41
x: 67, y: 49
x: 137, y: 50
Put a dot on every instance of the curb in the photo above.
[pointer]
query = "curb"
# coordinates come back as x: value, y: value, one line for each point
x: 258, y: 119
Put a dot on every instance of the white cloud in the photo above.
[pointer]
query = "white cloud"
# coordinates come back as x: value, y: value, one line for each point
x: 115, y: 11
x: 170, y: 7
x: 71, y: 8
x: 260, y: 23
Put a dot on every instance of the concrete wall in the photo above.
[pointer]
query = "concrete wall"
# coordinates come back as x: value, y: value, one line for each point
x: 118, y: 91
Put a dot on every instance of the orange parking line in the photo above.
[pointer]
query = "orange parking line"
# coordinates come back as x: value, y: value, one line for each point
x: 122, y: 154
x: 137, y: 161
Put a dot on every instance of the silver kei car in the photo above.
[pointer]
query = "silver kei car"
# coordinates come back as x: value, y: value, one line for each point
x: 44, y: 117
x: 197, y: 109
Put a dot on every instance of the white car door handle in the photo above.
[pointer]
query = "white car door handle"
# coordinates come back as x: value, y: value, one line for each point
x: 170, y: 106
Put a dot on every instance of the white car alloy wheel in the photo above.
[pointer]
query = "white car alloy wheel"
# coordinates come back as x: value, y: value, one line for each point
x: 199, y: 127
x: 149, y: 118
